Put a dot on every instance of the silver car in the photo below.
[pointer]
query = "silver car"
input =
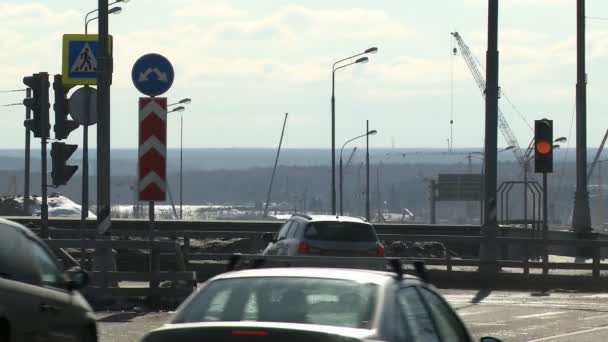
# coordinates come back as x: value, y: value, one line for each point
x: 314, y: 304
x: 324, y: 235
x: 38, y: 302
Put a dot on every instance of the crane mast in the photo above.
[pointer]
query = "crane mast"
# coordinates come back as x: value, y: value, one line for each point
x: 506, y: 131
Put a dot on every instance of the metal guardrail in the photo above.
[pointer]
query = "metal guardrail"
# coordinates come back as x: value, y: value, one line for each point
x: 184, y: 282
x: 119, y: 225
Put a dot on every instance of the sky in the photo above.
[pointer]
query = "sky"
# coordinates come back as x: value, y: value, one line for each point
x: 245, y: 63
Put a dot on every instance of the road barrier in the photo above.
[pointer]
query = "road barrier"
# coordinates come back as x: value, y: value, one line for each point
x: 183, y: 281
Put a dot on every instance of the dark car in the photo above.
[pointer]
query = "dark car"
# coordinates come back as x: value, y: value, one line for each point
x: 324, y: 235
x: 314, y: 304
x: 38, y: 302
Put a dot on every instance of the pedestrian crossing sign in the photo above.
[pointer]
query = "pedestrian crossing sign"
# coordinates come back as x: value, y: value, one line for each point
x: 80, y: 58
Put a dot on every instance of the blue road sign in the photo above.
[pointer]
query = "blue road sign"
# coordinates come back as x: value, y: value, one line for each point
x: 79, y: 62
x: 152, y: 74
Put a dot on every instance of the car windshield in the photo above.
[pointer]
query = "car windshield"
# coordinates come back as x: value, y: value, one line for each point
x: 340, y: 231
x: 332, y: 302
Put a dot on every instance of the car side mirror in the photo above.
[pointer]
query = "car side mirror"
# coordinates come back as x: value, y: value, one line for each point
x: 269, y: 237
x: 77, y: 280
x: 489, y: 339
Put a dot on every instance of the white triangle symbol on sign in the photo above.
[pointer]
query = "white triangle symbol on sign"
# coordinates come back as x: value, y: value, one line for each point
x: 85, y: 61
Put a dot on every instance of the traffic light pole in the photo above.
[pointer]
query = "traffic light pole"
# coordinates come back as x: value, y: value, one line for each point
x: 26, y: 176
x: 545, y: 222
x: 84, y: 210
x: 44, y: 116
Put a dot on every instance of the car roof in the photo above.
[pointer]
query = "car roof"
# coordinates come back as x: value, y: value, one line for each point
x: 357, y: 275
x: 19, y: 227
x: 330, y: 218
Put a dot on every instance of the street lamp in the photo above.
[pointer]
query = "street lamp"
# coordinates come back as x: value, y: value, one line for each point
x: 95, y: 10
x: 113, y: 10
x: 333, y: 117
x: 181, y: 149
x: 560, y: 139
x: 372, y: 132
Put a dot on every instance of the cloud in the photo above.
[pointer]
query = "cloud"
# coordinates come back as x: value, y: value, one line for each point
x: 525, y: 3
x: 207, y: 8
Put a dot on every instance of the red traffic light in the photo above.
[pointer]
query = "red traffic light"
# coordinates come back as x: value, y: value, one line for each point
x: 543, y: 147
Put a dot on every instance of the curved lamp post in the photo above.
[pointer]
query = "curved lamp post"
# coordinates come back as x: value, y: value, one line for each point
x: 372, y: 132
x: 333, y: 117
x: 181, y: 150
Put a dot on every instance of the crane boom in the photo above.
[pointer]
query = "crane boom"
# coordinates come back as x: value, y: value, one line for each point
x: 481, y: 83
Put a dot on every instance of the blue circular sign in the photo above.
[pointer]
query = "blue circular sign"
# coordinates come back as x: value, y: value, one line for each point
x: 152, y: 74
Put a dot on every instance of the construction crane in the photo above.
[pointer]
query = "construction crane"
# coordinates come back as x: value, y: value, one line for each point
x: 506, y: 131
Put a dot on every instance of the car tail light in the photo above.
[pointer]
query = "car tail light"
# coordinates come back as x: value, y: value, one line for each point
x: 303, y: 247
x: 380, y: 250
x: 249, y: 333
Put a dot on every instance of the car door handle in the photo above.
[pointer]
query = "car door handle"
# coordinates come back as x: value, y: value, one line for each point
x: 48, y: 308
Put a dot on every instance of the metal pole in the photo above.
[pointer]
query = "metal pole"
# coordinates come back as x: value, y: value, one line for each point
x: 433, y: 214
x: 44, y: 209
x: 341, y: 198
x: 104, y: 258
x: 26, y: 176
x: 274, y: 170
x: 489, y: 228
x: 181, y: 164
x: 367, y: 204
x: 526, y: 163
x: 581, y: 220
x: 545, y: 222
x: 84, y: 211
x: 104, y: 75
x: 545, y: 206
x: 333, y: 144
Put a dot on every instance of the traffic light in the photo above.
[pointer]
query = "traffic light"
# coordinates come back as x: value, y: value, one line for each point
x: 543, y: 146
x: 63, y: 127
x: 60, y: 153
x: 38, y: 104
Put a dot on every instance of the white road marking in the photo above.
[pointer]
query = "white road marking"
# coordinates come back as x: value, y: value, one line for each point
x: 489, y: 324
x: 478, y: 312
x: 551, y: 338
x: 544, y: 314
x: 593, y: 317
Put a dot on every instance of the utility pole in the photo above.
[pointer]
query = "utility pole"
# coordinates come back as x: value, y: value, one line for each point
x: 105, y: 259
x: 104, y: 72
x: 581, y: 218
x: 490, y: 224
x: 26, y: 176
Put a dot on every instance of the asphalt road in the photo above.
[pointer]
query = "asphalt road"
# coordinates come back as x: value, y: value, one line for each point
x: 510, y: 316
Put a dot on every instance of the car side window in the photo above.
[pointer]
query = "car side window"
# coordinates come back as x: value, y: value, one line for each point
x: 449, y: 325
x: 50, y: 275
x: 416, y: 316
x: 293, y: 230
x: 283, y: 232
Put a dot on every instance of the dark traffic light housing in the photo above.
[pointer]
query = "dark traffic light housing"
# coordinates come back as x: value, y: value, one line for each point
x: 543, y: 146
x: 63, y: 127
x: 61, y: 172
x: 38, y: 104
